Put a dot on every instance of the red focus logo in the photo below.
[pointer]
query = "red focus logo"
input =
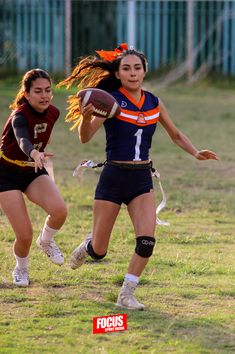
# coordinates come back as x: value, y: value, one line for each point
x: 112, y: 323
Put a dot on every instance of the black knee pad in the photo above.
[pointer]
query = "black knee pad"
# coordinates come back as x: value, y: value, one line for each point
x: 144, y: 246
x: 92, y: 253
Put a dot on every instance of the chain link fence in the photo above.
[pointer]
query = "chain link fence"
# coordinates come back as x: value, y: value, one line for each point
x: 53, y: 34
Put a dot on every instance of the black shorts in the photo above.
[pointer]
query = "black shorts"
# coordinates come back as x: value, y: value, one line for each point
x: 120, y: 185
x: 13, y: 178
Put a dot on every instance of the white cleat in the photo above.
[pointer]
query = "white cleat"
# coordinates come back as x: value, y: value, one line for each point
x: 51, y: 250
x: 20, y: 277
x: 126, y: 299
x: 80, y: 253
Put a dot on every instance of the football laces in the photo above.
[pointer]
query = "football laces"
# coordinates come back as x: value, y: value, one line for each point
x: 101, y: 112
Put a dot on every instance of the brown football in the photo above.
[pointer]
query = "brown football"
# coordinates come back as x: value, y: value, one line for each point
x: 105, y: 104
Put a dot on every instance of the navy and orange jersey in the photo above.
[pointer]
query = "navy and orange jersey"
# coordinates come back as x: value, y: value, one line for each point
x: 129, y: 135
x: 39, y: 128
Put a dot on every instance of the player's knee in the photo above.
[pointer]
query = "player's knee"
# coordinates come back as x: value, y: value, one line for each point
x: 93, y: 254
x: 58, y: 215
x: 144, y: 246
x: 60, y: 212
x: 25, y: 238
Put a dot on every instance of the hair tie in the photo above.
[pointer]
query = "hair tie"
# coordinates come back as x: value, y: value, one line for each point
x: 111, y: 55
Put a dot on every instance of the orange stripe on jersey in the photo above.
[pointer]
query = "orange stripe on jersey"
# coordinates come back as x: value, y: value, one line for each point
x: 139, y: 119
x: 131, y: 99
x: 152, y: 112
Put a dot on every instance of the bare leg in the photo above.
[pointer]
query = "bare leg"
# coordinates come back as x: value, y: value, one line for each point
x: 14, y: 207
x: 104, y: 216
x: 143, y: 215
x: 43, y: 192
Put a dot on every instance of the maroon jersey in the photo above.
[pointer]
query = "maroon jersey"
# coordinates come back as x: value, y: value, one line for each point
x: 39, y: 128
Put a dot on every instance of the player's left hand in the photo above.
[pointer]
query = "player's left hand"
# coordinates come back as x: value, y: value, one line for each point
x: 40, y: 159
x: 206, y: 155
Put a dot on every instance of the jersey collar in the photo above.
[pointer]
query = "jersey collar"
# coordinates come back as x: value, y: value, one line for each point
x: 131, y: 99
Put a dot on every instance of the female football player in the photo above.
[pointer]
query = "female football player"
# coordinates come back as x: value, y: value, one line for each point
x: 22, y: 158
x: 126, y: 176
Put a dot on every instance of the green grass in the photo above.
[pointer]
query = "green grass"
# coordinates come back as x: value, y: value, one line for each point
x: 188, y: 285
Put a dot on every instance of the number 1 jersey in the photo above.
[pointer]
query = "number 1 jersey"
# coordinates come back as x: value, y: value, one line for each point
x: 129, y: 135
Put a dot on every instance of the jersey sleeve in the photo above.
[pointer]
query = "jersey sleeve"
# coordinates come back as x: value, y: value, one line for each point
x: 20, y: 128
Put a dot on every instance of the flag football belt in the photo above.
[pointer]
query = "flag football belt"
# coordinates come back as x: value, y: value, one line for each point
x: 130, y: 166
x: 17, y: 162
x: 89, y: 164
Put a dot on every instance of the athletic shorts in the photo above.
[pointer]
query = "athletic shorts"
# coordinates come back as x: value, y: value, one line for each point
x: 13, y: 178
x: 120, y: 185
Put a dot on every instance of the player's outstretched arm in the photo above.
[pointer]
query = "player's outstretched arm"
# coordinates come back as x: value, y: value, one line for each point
x: 182, y: 140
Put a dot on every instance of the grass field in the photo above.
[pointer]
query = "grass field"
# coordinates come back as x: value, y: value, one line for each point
x: 188, y: 286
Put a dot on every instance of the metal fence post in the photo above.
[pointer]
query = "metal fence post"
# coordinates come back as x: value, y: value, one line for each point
x: 190, y: 39
x: 131, y: 22
x: 68, y: 36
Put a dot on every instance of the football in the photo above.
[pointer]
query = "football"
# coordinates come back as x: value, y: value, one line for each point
x: 105, y: 104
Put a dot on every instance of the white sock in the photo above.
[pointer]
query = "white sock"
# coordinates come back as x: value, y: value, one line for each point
x: 47, y: 233
x: 132, y: 277
x: 22, y: 262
